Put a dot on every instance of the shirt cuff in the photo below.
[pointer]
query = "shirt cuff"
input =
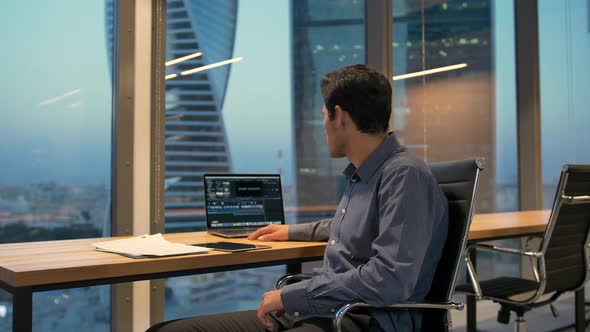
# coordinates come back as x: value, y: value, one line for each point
x: 295, y: 301
x: 300, y: 232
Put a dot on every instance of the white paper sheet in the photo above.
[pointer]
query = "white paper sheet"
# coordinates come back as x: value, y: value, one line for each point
x: 148, y: 246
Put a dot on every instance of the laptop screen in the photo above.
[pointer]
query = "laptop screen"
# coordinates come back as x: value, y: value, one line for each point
x: 243, y: 200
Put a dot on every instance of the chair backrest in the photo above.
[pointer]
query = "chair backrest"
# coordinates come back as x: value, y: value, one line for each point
x: 566, y: 238
x: 458, y: 181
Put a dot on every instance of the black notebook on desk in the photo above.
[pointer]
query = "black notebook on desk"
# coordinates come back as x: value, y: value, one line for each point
x: 238, y: 204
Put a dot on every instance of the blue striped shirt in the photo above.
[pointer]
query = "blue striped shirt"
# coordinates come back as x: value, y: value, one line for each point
x: 384, y: 241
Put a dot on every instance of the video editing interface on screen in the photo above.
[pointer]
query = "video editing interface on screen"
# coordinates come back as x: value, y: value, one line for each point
x: 243, y: 201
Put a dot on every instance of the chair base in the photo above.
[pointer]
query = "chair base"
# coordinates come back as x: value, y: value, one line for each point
x: 520, y: 324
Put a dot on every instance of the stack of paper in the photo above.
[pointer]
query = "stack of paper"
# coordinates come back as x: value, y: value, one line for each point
x: 148, y: 245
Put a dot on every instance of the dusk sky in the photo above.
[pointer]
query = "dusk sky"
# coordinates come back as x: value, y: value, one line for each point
x: 49, y: 52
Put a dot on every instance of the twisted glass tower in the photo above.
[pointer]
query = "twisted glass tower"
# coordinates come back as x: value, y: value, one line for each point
x: 196, y: 141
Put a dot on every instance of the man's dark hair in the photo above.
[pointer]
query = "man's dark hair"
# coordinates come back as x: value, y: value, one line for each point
x: 361, y: 91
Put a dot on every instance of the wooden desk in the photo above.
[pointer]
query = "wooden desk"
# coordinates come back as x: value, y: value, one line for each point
x: 496, y: 226
x: 31, y: 267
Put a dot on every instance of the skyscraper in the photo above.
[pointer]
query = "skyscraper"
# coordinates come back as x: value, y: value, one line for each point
x: 326, y: 35
x: 196, y: 141
x: 449, y: 115
x: 440, y: 117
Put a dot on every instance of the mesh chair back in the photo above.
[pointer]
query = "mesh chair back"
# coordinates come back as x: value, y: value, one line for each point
x: 566, y: 237
x: 458, y: 181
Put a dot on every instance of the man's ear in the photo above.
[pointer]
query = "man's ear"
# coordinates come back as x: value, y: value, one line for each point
x: 340, y: 115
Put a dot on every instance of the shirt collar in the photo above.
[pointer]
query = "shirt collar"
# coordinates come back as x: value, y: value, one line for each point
x: 368, y: 168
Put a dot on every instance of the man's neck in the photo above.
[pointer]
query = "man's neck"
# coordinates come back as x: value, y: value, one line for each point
x: 361, y: 145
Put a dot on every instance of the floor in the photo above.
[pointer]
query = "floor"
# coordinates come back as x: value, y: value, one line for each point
x: 539, y: 319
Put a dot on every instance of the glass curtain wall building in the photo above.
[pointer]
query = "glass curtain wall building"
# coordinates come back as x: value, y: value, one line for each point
x: 447, y: 115
x: 326, y: 35
x: 196, y: 140
x: 198, y: 33
x: 427, y: 109
x: 467, y: 109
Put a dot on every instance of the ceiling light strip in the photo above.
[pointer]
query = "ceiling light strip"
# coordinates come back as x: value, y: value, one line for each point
x: 184, y: 58
x: 429, y: 71
x: 213, y: 65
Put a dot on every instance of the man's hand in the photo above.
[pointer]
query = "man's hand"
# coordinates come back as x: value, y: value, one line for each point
x: 271, y: 302
x: 271, y: 233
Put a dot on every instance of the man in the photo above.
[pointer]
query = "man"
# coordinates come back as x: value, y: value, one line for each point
x: 384, y: 241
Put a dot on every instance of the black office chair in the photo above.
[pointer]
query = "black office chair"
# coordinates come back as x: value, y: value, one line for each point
x: 561, y: 263
x: 458, y: 180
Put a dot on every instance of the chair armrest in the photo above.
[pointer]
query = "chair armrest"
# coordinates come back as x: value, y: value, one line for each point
x: 576, y: 199
x: 292, y: 277
x: 489, y: 247
x: 534, y: 255
x: 343, y: 310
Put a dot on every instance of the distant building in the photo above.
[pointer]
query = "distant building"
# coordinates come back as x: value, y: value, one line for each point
x: 449, y: 116
x: 326, y: 35
x: 196, y: 141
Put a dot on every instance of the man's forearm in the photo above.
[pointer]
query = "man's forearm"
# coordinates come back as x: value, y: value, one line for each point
x: 313, y: 231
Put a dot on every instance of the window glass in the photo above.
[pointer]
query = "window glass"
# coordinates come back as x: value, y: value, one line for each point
x: 55, y: 142
x: 564, y: 50
x: 259, y: 114
x: 320, y: 44
x: 467, y: 108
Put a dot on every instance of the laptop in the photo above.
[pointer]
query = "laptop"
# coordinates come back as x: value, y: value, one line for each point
x: 238, y: 204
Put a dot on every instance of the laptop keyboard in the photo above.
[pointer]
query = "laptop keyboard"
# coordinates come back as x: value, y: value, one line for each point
x: 239, y: 231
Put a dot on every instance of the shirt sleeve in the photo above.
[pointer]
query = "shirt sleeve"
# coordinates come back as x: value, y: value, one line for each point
x: 408, y: 213
x: 313, y: 231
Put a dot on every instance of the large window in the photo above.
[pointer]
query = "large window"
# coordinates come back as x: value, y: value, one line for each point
x: 259, y: 114
x: 55, y: 142
x: 564, y: 50
x: 467, y: 108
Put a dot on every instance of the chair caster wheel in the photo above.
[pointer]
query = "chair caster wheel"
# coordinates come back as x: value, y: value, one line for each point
x: 504, y: 316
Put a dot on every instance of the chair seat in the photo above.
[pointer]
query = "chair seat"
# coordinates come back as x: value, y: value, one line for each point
x: 502, y: 288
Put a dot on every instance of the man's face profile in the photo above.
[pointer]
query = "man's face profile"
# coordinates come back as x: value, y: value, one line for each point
x: 333, y: 134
